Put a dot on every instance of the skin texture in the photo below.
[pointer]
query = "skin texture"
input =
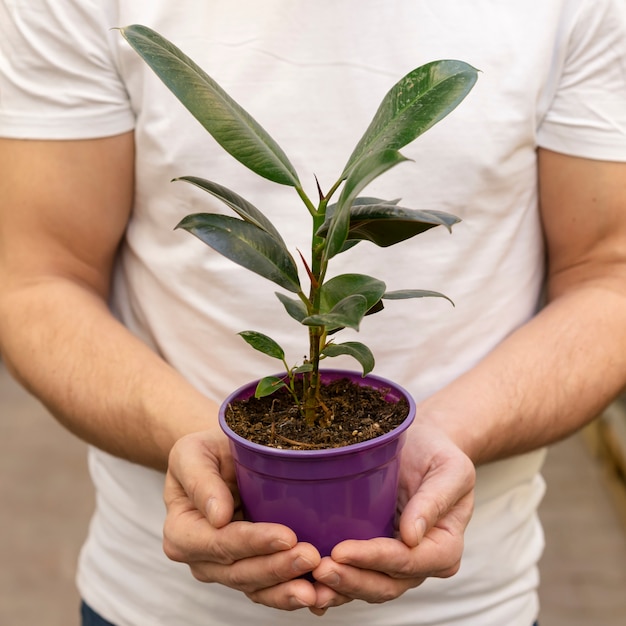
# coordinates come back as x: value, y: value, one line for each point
x: 542, y: 383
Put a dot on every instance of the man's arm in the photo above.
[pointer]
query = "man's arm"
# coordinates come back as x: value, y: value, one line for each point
x: 64, y: 208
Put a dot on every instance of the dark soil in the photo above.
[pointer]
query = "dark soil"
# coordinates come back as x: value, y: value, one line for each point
x: 356, y: 414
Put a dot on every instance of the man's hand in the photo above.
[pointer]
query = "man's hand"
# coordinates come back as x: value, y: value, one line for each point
x: 262, y: 560
x: 436, y: 500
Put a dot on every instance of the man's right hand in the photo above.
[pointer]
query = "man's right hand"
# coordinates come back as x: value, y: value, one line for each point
x: 202, y: 528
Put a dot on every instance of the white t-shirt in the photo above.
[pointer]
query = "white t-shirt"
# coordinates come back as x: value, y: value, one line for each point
x: 312, y: 73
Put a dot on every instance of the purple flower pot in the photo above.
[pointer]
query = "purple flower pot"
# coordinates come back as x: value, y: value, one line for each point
x: 324, y: 496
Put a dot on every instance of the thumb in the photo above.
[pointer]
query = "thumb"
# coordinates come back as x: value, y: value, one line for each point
x: 444, y: 496
x: 200, y: 471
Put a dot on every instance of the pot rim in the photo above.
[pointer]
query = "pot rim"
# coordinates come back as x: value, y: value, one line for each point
x: 379, y: 382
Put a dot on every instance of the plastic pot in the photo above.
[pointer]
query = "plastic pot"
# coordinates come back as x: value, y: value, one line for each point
x: 324, y: 496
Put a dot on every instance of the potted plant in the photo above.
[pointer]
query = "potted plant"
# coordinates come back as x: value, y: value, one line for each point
x: 290, y: 468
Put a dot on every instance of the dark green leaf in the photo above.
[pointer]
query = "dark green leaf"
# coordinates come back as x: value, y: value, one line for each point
x: 349, y: 312
x: 263, y: 344
x: 294, y: 307
x: 241, y: 206
x: 404, y: 294
x: 267, y: 386
x: 354, y: 349
x: 247, y: 245
x: 229, y: 124
x: 413, y: 105
x: 379, y: 306
x: 360, y: 176
x: 340, y: 287
x: 387, y: 225
x: 330, y: 211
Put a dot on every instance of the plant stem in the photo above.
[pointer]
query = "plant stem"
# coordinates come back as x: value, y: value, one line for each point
x: 317, y: 334
x: 307, y: 202
x: 313, y: 380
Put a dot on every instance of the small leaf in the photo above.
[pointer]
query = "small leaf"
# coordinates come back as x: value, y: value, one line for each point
x: 360, y: 176
x: 413, y: 105
x: 263, y: 344
x: 267, y: 386
x: 354, y: 349
x: 348, y: 312
x: 344, y: 285
x: 247, y: 245
x: 294, y: 307
x: 305, y: 368
x: 229, y: 124
x: 404, y: 294
x: 241, y: 206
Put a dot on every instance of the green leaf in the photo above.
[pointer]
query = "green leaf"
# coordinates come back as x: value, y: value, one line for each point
x: 404, y: 294
x: 247, y: 245
x: 386, y: 224
x: 229, y: 124
x: 305, y: 368
x: 294, y: 307
x: 344, y: 285
x: 241, y: 206
x: 267, y: 386
x: 413, y: 105
x: 348, y: 312
x: 364, y: 173
x: 330, y: 211
x: 263, y: 344
x: 354, y: 349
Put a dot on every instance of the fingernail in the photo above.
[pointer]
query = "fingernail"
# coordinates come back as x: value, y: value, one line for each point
x: 298, y: 603
x: 301, y: 564
x: 278, y: 545
x: 212, y: 508
x: 420, y: 529
x: 331, y: 579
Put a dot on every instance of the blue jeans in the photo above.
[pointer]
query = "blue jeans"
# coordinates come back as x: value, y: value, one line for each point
x: 91, y: 618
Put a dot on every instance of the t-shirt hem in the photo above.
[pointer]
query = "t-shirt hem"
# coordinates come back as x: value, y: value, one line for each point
x: 578, y: 146
x: 14, y: 126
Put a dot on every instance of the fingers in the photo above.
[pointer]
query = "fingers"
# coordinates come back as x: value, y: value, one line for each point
x: 439, y: 503
x: 189, y: 538
x: 383, y: 569
x: 440, y: 493
x: 444, y: 502
x: 263, y: 560
x: 201, y: 471
x: 254, y: 575
x: 327, y: 598
x: 367, y: 585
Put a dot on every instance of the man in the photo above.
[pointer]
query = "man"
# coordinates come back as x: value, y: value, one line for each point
x: 126, y: 330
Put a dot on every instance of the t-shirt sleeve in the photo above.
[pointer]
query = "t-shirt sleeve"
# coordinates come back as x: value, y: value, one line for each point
x: 58, y: 73
x: 587, y: 114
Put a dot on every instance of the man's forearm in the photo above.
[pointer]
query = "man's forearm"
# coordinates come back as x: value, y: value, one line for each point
x: 96, y: 378
x: 543, y: 382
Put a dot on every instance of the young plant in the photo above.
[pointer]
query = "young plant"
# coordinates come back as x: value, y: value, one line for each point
x: 412, y: 106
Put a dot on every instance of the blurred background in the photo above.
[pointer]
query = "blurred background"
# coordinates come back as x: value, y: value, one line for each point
x: 46, y: 500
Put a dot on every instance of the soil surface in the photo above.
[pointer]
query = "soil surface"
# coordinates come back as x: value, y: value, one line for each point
x: 356, y: 414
